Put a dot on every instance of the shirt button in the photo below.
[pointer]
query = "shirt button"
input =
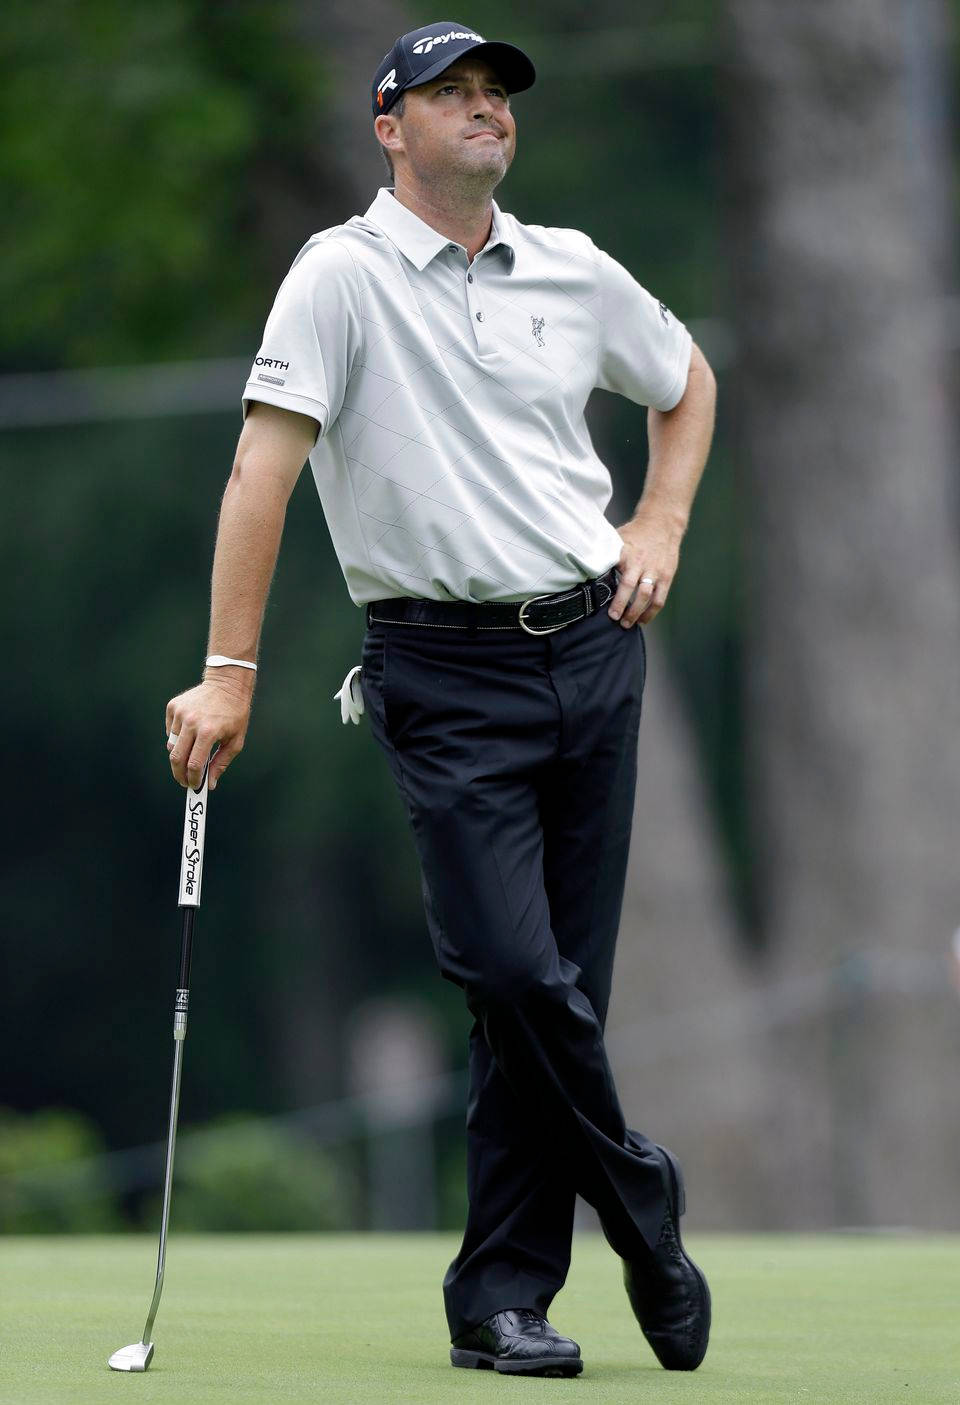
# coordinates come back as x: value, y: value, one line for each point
x: 469, y: 277
x: 453, y: 248
x: 479, y: 316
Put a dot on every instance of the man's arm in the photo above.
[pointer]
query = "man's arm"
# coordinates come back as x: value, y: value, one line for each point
x: 679, y: 444
x: 273, y: 446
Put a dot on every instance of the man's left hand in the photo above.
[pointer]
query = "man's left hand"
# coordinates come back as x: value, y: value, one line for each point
x: 648, y: 564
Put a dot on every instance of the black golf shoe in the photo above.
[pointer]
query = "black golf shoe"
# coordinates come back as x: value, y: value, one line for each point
x: 517, y: 1342
x: 667, y: 1291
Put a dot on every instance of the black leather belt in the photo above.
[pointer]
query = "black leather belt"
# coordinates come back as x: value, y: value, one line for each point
x: 541, y: 614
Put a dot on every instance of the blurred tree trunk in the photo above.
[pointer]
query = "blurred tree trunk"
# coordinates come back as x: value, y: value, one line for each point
x: 338, y: 167
x: 349, y: 38
x: 683, y: 1033
x: 838, y: 170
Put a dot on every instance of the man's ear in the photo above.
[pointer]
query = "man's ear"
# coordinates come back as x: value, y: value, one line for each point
x: 387, y: 128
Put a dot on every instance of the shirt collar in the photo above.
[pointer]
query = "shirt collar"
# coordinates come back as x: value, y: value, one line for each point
x: 417, y: 241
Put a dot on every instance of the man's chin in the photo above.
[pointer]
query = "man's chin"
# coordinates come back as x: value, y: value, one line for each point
x: 487, y: 156
x: 480, y: 171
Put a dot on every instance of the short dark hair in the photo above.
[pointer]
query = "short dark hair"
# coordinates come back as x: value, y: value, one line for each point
x: 395, y: 111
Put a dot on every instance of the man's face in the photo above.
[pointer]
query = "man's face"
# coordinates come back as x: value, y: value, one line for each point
x: 458, y: 126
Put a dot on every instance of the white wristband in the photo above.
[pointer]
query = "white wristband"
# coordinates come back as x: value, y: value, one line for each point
x: 221, y: 661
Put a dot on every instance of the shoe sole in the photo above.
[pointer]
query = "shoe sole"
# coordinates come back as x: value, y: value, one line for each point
x: 678, y: 1191
x: 536, y: 1366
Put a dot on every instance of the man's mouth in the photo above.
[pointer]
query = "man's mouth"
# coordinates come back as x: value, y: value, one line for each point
x: 471, y: 136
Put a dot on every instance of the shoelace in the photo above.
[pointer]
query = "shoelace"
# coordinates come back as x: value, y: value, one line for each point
x: 527, y: 1314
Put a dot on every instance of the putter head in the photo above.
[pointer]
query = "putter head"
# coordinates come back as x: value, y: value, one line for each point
x: 132, y: 1358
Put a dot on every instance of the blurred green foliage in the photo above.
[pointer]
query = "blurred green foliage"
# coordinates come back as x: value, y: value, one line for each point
x: 239, y: 1174
x: 452, y: 1201
x: 133, y: 134
x: 51, y: 1181
x: 236, y: 1173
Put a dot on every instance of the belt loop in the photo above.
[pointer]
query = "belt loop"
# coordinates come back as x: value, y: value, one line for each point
x: 474, y: 618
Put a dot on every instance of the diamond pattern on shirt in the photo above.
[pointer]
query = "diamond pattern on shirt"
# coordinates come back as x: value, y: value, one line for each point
x: 456, y: 461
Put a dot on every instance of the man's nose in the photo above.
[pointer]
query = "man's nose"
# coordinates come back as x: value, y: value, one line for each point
x: 482, y: 105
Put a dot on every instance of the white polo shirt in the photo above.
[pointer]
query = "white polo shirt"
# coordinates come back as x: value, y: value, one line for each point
x: 453, y: 459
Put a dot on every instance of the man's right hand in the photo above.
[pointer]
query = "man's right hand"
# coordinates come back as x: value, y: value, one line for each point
x: 217, y: 710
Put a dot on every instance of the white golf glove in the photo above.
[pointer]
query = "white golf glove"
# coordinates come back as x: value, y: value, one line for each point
x: 351, y: 698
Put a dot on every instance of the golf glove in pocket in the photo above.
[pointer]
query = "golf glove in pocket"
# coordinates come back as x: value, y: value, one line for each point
x: 351, y: 698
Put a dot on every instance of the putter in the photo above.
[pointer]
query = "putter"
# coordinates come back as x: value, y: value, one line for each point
x: 138, y: 1356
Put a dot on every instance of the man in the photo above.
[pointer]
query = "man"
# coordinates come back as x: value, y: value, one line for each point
x: 433, y: 358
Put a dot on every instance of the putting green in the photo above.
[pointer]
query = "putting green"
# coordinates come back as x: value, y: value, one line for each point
x: 354, y: 1318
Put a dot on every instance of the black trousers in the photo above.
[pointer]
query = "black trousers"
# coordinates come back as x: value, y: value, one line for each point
x: 516, y: 757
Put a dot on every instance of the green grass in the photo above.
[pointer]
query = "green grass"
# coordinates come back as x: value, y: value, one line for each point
x: 355, y: 1318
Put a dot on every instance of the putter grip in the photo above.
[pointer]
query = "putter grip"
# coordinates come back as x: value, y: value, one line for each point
x: 191, y: 850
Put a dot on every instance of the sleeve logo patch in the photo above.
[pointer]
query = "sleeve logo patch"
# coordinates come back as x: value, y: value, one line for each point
x: 271, y: 380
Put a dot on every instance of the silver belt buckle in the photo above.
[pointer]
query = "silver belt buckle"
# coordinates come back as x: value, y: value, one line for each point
x: 550, y: 629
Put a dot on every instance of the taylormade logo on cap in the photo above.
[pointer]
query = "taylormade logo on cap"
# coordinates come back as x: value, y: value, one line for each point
x: 425, y: 53
x: 423, y: 46
x: 389, y: 82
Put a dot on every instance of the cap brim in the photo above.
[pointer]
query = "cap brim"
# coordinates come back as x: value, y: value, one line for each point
x: 512, y: 65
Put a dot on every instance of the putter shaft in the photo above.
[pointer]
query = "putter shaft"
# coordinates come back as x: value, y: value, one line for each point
x: 138, y: 1356
x: 179, y: 1037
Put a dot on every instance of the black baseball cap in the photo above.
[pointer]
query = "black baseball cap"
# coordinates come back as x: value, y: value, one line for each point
x: 424, y: 53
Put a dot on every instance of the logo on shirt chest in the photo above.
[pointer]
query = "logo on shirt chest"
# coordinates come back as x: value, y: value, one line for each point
x: 536, y: 328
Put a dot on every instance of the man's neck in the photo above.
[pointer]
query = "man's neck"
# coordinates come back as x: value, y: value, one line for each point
x: 467, y: 222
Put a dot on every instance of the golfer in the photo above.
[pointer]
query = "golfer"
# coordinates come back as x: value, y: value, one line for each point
x: 432, y: 358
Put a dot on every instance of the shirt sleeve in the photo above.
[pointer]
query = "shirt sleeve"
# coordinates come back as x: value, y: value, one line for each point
x: 311, y: 338
x: 644, y: 349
